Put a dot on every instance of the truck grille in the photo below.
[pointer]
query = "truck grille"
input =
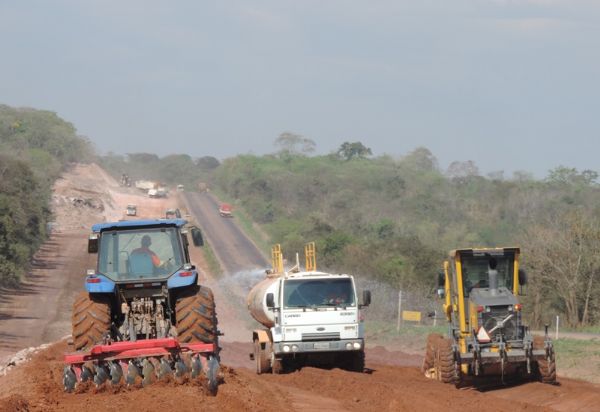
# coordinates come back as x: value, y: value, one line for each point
x: 497, y: 314
x: 321, y: 336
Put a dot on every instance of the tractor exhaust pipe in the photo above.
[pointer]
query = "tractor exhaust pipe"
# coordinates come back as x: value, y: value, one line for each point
x: 493, y: 276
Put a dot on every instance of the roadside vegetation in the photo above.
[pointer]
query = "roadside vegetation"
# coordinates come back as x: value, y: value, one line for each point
x: 35, y: 147
x: 393, y: 220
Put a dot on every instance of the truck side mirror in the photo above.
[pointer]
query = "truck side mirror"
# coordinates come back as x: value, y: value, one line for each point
x: 93, y: 244
x: 522, y: 277
x: 441, y: 279
x: 366, y: 298
x: 197, y: 237
x: 270, y: 300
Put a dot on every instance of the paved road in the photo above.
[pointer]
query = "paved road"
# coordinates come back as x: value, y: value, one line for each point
x: 233, y: 248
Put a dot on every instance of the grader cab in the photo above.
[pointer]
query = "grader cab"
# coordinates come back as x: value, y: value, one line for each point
x: 486, y: 333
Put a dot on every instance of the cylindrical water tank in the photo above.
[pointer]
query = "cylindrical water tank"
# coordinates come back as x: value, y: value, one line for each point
x: 257, y: 300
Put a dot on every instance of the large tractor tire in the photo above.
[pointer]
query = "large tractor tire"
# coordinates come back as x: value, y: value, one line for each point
x: 90, y: 319
x: 196, y: 317
x: 445, y: 367
x: 546, y: 368
x: 430, y: 350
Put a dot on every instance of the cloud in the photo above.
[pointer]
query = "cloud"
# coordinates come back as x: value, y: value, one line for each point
x: 532, y: 24
x: 264, y: 18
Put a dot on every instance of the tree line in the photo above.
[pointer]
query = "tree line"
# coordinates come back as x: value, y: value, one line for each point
x: 35, y: 148
x: 394, y: 219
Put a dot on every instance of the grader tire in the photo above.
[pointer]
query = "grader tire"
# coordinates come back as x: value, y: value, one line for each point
x: 196, y: 316
x: 546, y: 368
x: 431, y: 346
x: 444, y: 362
x: 90, y: 320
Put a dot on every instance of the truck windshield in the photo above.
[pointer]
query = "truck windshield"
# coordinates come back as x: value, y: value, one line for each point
x: 300, y: 293
x: 139, y: 254
x: 475, y: 269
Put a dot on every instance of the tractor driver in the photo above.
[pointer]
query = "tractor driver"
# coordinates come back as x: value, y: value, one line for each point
x: 145, y: 248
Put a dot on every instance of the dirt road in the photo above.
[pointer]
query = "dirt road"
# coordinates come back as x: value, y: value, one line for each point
x: 393, y: 381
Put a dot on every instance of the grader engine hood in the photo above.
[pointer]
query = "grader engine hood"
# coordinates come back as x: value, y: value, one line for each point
x: 497, y: 314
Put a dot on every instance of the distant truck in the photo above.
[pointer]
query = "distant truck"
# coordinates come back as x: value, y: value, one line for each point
x: 309, y: 317
x: 131, y: 210
x: 145, y: 185
x: 159, y: 192
x: 225, y: 210
x: 180, y: 188
x: 172, y: 214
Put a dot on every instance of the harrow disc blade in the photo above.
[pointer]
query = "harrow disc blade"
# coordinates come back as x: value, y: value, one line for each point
x: 212, y: 375
x: 69, y: 379
x: 180, y: 368
x: 164, y: 369
x: 86, y: 374
x: 116, y: 373
x: 196, y: 366
x: 148, y: 372
x: 132, y: 372
x: 102, y: 375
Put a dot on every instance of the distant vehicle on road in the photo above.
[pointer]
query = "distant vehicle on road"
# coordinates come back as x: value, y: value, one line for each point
x: 225, y: 210
x: 156, y: 193
x: 131, y: 210
x: 180, y: 188
x: 172, y: 214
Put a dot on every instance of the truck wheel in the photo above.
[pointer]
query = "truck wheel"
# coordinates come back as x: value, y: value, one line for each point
x: 90, y: 320
x: 196, y: 316
x: 546, y: 368
x: 356, y: 361
x: 431, y: 347
x: 277, y: 366
x: 445, y: 367
x: 261, y: 358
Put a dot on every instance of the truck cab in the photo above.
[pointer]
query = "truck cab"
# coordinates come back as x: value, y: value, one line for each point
x: 312, y: 317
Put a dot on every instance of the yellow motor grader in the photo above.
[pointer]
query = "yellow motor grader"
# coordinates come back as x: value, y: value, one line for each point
x: 486, y: 334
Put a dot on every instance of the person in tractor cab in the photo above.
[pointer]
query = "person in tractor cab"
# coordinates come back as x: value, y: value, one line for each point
x: 145, y: 249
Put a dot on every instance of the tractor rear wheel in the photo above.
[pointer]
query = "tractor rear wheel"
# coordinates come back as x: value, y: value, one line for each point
x: 90, y: 320
x: 196, y: 316
x: 546, y: 368
x: 446, y: 369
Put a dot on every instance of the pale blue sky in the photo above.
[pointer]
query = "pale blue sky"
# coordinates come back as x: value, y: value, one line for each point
x: 510, y: 84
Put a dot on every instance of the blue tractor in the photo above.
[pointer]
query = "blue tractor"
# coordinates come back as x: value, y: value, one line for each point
x: 143, y: 315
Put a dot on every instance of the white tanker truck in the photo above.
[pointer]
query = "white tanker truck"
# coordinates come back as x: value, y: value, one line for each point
x: 310, y: 318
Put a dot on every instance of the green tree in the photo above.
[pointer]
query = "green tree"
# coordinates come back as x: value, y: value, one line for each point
x: 294, y: 144
x: 355, y: 150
